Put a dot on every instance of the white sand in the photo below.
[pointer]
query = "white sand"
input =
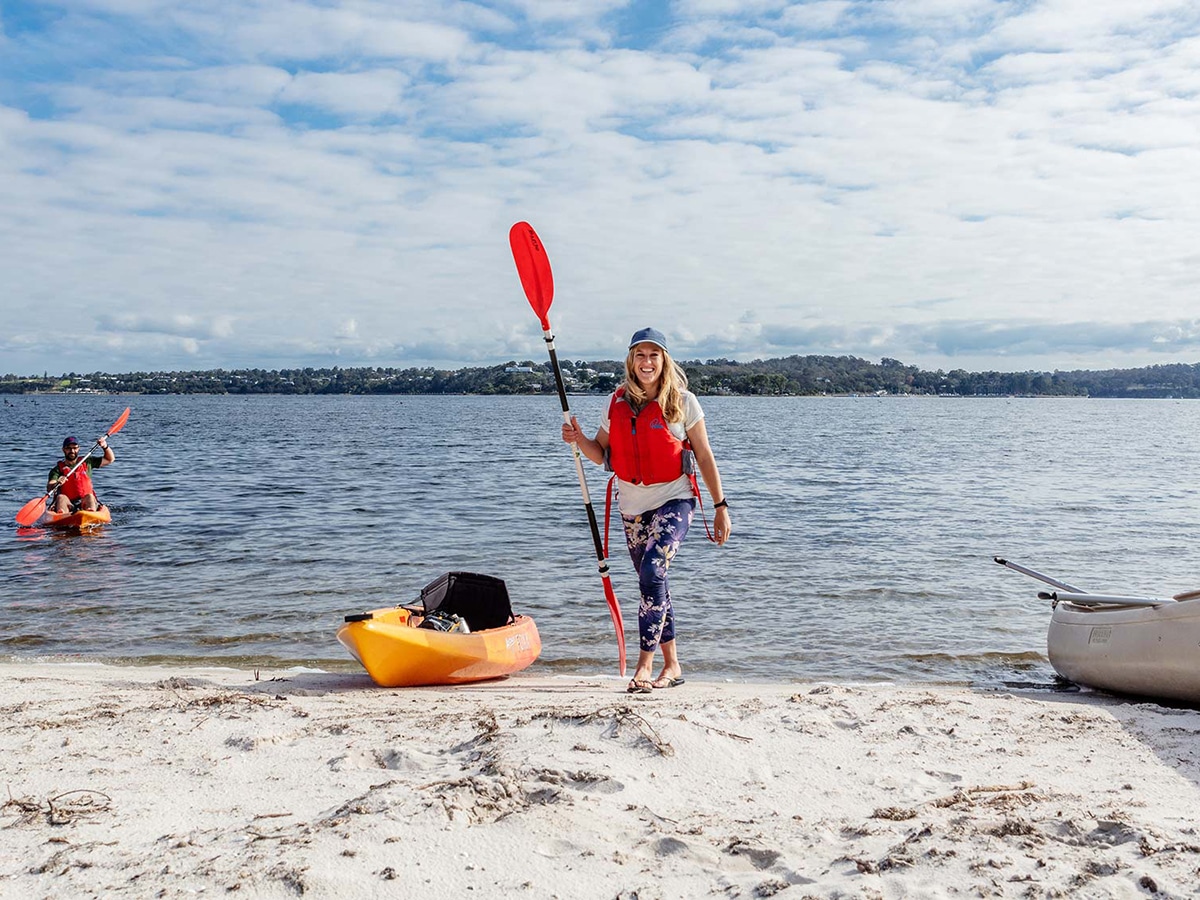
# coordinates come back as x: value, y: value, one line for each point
x: 146, y: 782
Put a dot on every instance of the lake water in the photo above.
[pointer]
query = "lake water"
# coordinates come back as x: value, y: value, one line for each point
x: 245, y: 528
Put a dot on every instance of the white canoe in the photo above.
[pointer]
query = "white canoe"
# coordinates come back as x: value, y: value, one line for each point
x: 1148, y: 651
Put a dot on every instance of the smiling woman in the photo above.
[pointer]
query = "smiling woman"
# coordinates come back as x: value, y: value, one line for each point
x: 653, y: 437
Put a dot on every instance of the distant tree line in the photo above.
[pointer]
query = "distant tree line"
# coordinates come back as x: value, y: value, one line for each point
x: 790, y: 376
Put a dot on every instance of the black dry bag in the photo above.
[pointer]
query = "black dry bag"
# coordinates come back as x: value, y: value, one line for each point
x: 482, y: 600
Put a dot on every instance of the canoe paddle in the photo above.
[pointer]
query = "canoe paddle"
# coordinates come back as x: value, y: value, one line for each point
x: 1102, y: 599
x: 1083, y: 598
x: 1053, y: 582
x: 32, y: 511
x: 534, y: 268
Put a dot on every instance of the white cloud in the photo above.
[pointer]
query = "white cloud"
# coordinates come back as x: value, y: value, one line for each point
x: 305, y: 31
x: 566, y: 10
x: 820, y: 16
x: 175, y: 324
x: 235, y: 86
x: 861, y: 174
x: 355, y: 95
x: 737, y: 8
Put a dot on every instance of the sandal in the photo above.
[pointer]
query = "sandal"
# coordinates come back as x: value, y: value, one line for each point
x: 638, y: 686
x: 666, y: 681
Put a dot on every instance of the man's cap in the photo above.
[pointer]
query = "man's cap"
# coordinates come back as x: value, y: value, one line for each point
x: 70, y: 442
x: 648, y: 336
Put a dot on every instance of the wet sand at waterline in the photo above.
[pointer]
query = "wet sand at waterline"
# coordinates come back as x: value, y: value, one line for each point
x: 143, y: 781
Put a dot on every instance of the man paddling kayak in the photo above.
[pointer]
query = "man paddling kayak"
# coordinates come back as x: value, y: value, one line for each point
x: 75, y: 490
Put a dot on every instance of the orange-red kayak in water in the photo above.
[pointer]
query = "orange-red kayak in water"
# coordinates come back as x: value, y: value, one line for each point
x: 80, y: 520
x: 396, y: 653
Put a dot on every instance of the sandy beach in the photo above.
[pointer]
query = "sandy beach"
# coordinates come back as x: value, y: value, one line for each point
x: 156, y: 782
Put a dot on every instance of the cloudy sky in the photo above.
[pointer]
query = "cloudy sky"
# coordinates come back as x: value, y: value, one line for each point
x: 191, y: 184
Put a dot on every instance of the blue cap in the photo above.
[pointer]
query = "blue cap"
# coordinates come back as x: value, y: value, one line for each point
x: 70, y: 442
x: 648, y: 336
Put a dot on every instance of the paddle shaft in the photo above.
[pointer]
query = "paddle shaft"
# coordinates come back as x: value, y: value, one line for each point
x: 601, y: 557
x: 537, y: 280
x: 578, y: 454
x: 1053, y: 582
x: 1081, y: 599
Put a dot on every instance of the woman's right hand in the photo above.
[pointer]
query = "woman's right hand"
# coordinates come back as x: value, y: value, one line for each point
x: 572, y: 433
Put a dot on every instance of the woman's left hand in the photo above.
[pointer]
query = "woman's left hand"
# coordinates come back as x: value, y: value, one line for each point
x: 721, y: 525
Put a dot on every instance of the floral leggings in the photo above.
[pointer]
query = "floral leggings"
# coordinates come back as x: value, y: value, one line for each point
x: 654, y: 538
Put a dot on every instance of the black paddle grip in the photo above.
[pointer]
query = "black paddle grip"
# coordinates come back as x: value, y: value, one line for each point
x: 562, y: 390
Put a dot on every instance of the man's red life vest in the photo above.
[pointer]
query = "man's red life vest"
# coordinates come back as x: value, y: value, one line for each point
x: 641, y: 448
x: 78, y: 485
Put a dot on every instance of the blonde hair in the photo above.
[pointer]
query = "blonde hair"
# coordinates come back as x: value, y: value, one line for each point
x: 671, y: 385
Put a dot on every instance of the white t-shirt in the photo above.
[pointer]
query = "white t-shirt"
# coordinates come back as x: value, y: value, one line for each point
x: 633, y: 499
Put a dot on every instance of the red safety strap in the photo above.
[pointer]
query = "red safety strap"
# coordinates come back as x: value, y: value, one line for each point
x: 700, y: 503
x: 608, y: 511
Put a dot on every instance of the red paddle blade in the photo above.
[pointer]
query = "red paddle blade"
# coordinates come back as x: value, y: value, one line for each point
x: 614, y: 610
x: 534, y: 268
x: 31, y: 511
x: 119, y: 424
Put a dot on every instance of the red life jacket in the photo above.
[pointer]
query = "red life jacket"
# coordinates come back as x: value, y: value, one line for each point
x: 641, y: 448
x: 78, y: 485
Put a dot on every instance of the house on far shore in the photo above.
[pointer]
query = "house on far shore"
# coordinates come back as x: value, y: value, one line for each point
x: 508, y: 369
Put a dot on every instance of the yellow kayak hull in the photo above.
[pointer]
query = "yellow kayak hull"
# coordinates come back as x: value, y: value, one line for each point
x: 396, y: 653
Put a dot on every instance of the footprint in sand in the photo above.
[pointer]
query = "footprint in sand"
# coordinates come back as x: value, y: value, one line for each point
x: 948, y: 777
x: 557, y: 849
x: 669, y: 846
x: 392, y: 760
x: 589, y: 782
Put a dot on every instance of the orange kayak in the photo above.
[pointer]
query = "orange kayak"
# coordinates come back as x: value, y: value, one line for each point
x: 396, y: 653
x: 80, y: 520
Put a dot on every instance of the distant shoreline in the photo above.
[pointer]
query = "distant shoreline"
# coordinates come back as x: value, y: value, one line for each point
x: 792, y: 376
x: 849, y: 396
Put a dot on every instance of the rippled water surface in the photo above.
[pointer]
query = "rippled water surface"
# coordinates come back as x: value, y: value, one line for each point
x: 244, y: 528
